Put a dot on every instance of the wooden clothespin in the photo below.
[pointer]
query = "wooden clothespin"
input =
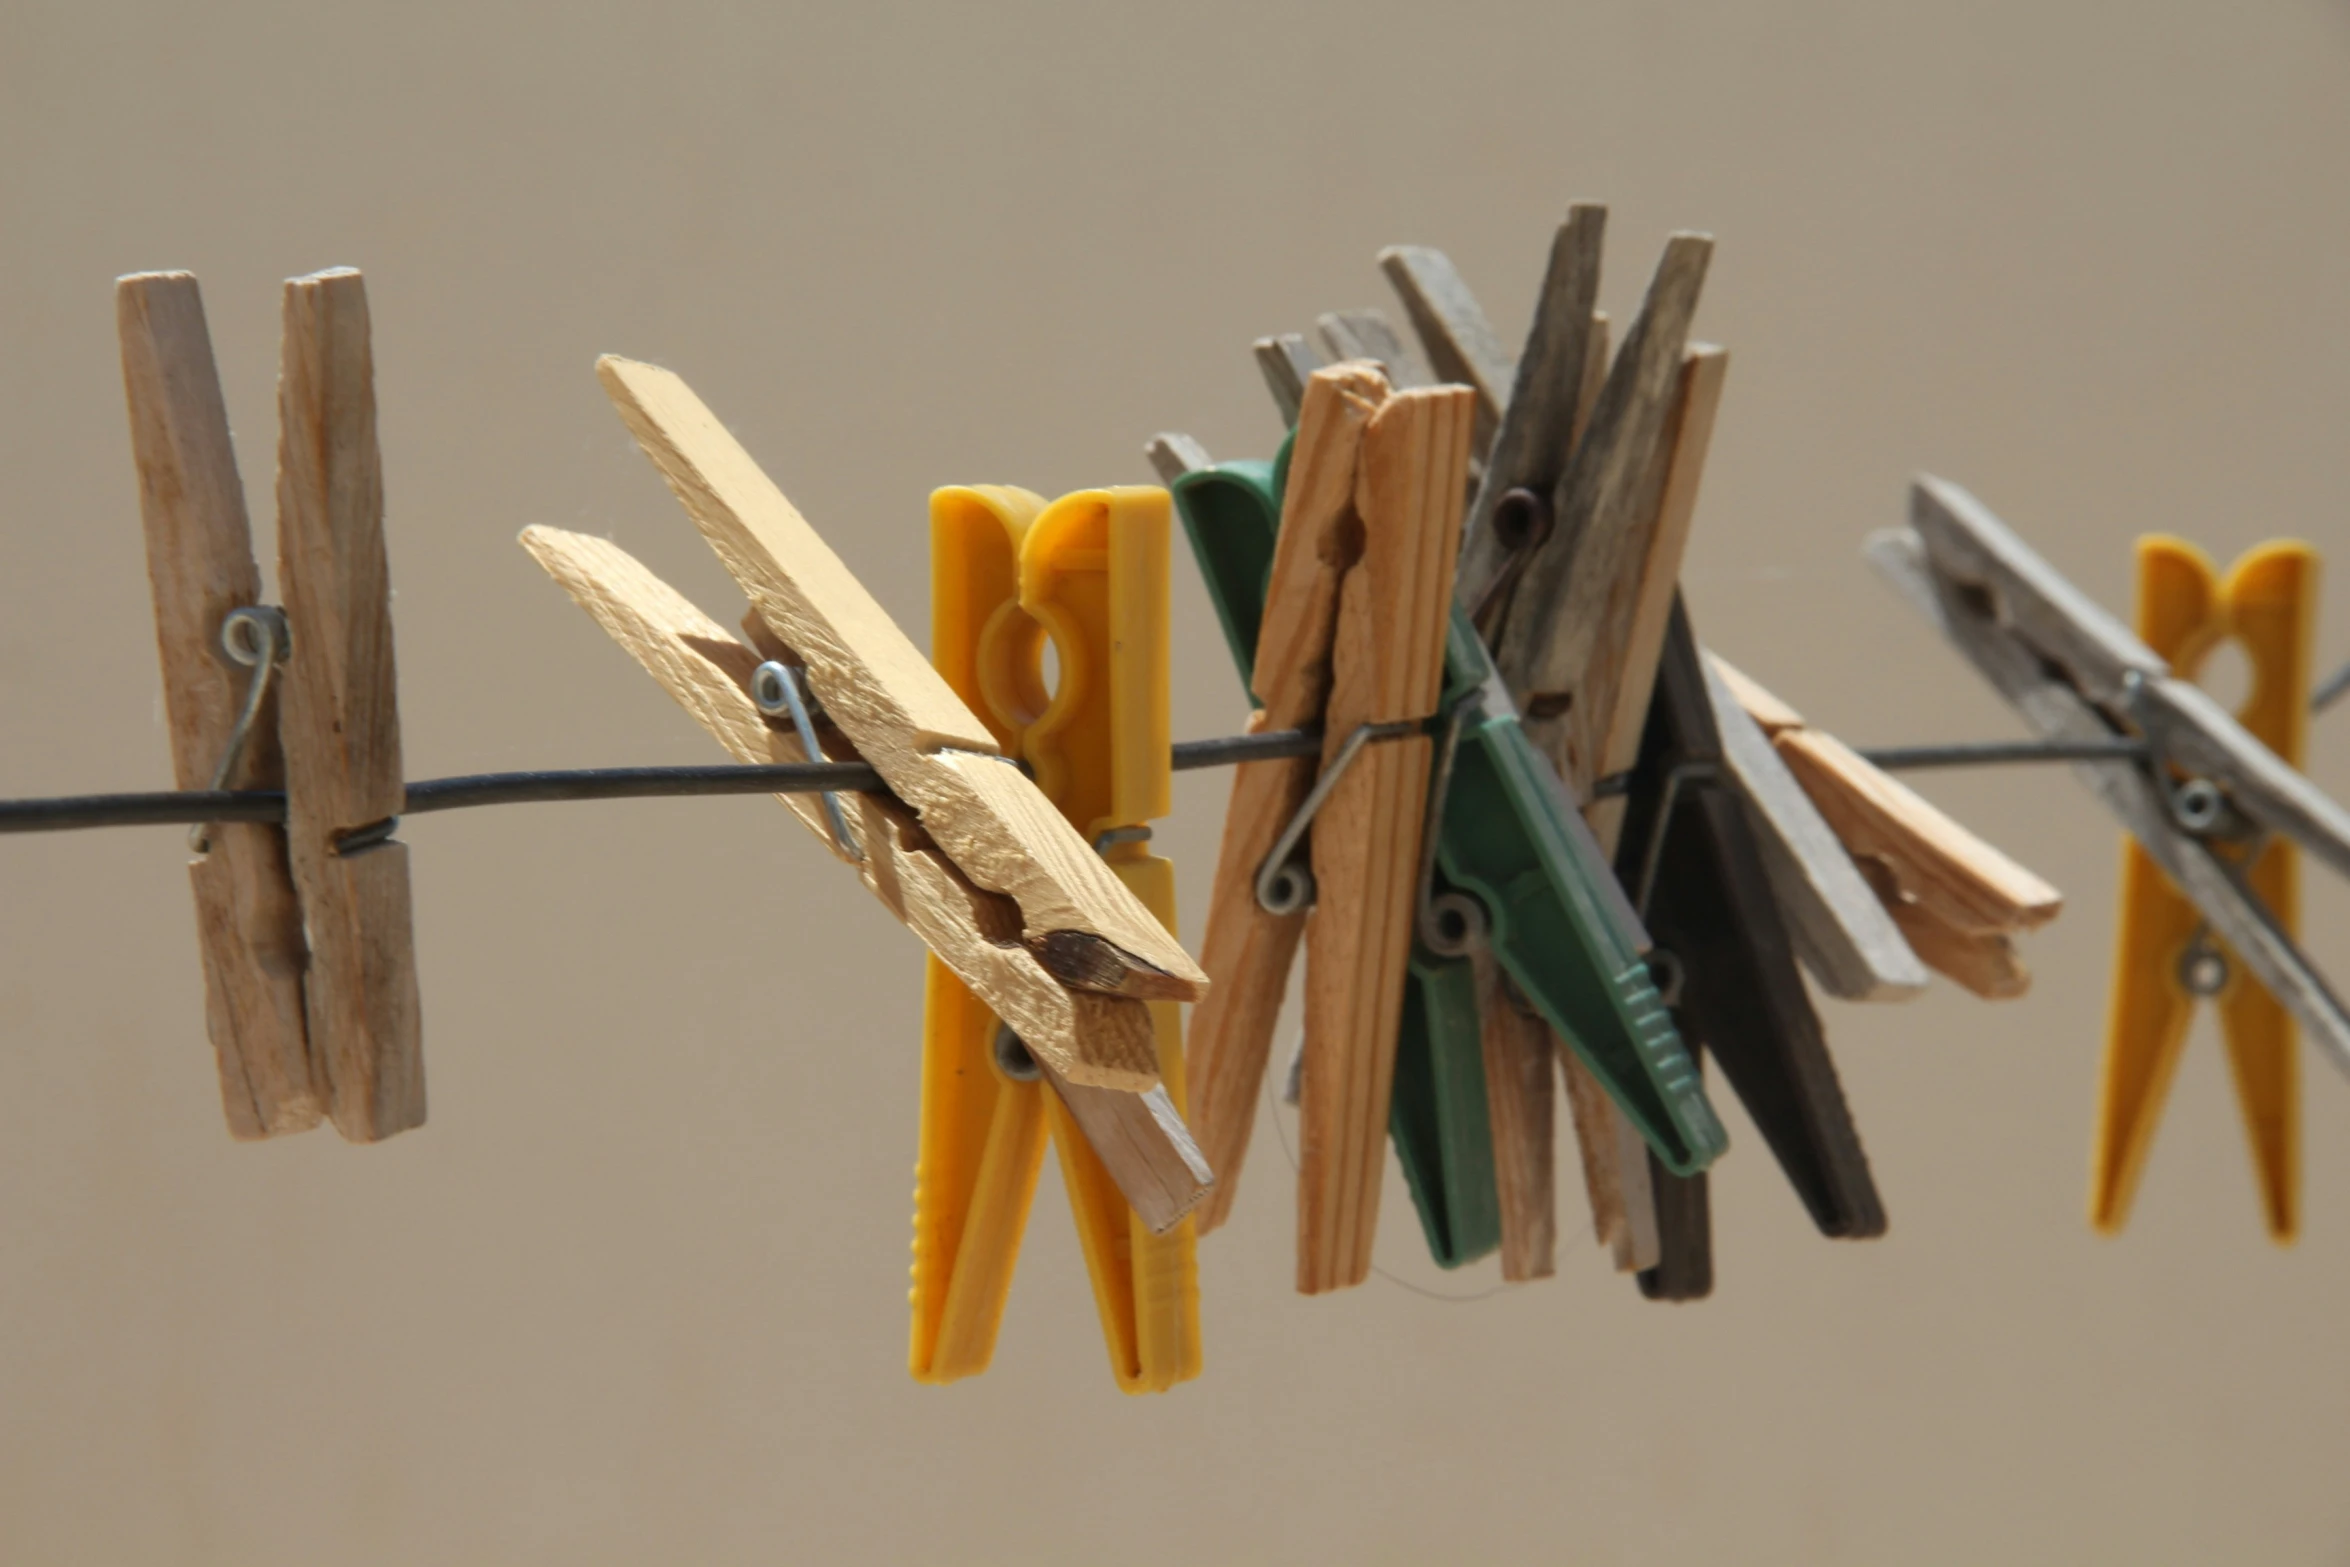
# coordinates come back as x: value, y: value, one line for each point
x: 1572, y: 550
x: 2197, y: 802
x: 1352, y: 636
x: 963, y: 849
x: 1959, y: 902
x: 1521, y: 928
x: 309, y: 956
x: 1088, y: 574
x: 1574, y: 545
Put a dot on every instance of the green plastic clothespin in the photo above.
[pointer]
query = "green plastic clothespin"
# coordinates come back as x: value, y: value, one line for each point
x: 1555, y: 917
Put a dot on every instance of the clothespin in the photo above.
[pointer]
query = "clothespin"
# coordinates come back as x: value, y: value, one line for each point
x: 962, y: 849
x: 1692, y: 861
x: 1438, y: 1116
x: 1514, y: 859
x: 309, y: 956
x: 2167, y: 959
x: 1959, y: 902
x: 1351, y: 634
x: 2200, y: 803
x: 1572, y: 547
x: 1575, y: 540
x: 1089, y: 574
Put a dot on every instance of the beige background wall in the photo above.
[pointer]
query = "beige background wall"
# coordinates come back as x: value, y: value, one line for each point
x: 636, y: 1293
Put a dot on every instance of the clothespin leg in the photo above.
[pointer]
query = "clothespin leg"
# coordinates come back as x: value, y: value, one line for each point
x: 201, y: 567
x: 2265, y: 1060
x: 1146, y: 1286
x: 339, y: 717
x: 1517, y: 1048
x: 2146, y: 1027
x: 982, y: 1146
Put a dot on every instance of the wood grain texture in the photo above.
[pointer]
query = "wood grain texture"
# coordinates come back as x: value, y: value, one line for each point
x: 974, y: 932
x: 1285, y: 361
x: 1949, y: 872
x: 936, y: 755
x: 1616, y: 1180
x: 1984, y: 962
x: 1387, y: 664
x: 1460, y: 343
x: 1548, y: 400
x: 1369, y: 336
x: 1247, y: 951
x: 1517, y: 1049
x: 339, y: 716
x: 1605, y: 508
x: 1635, y: 631
x: 200, y: 566
x: 1847, y: 940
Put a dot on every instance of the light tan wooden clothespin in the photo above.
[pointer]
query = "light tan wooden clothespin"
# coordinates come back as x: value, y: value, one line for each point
x: 1958, y: 901
x: 963, y: 849
x: 309, y: 956
x: 1352, y: 636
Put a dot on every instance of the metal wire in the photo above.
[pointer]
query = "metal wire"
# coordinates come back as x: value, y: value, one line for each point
x: 189, y: 807
x: 256, y: 636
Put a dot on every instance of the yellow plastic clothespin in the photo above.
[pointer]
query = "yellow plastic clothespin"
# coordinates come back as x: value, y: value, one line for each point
x: 2167, y: 961
x: 1087, y: 573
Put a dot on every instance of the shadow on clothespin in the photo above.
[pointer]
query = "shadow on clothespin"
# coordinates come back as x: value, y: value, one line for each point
x: 2213, y: 804
x: 1088, y: 574
x: 309, y: 955
x: 962, y: 848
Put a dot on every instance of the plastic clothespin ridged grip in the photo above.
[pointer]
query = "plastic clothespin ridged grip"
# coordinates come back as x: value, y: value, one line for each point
x: 1089, y: 575
x: 2268, y: 605
x: 1560, y: 924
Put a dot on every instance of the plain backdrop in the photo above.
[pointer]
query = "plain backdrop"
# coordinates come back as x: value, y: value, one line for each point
x: 636, y: 1293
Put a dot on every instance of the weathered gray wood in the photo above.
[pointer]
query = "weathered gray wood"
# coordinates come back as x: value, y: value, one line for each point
x: 1841, y: 930
x: 200, y: 566
x: 340, y: 718
x: 1604, y: 507
x: 2058, y: 712
x: 1537, y: 432
x: 1459, y: 341
x: 2118, y: 672
x: 1368, y: 334
x: 1286, y: 360
x: 1173, y: 455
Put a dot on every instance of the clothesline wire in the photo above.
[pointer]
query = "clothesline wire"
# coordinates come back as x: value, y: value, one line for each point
x: 195, y: 806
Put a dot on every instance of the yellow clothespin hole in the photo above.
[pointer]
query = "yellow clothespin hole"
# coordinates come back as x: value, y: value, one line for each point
x: 1086, y: 576
x: 2166, y: 961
